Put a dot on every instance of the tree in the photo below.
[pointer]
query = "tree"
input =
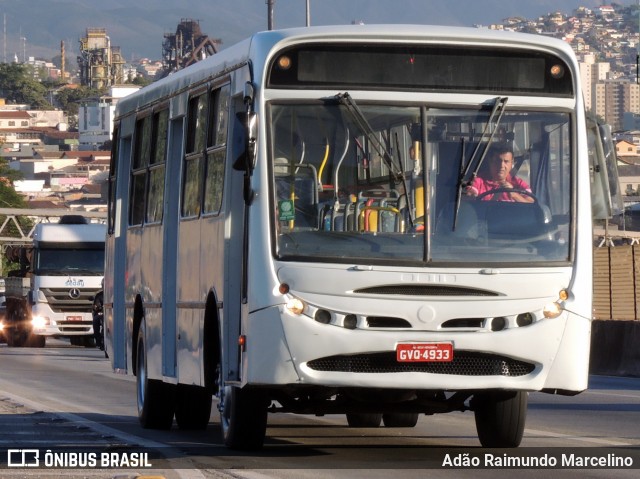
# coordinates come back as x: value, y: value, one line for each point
x: 17, y: 85
x: 9, y: 198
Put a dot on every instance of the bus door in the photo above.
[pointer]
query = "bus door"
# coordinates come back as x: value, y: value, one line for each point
x: 116, y: 324
x: 239, y: 195
x: 170, y: 239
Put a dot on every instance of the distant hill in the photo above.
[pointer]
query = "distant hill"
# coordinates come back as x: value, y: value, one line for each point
x: 36, y: 27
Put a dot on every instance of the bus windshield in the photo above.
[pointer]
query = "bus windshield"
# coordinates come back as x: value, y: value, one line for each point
x: 385, y: 183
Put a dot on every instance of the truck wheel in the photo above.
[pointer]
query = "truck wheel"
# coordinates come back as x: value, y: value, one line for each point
x: 243, y: 417
x: 155, y: 398
x: 16, y: 338
x: 364, y: 419
x: 500, y: 417
x: 400, y: 419
x: 36, y: 341
x: 193, y: 407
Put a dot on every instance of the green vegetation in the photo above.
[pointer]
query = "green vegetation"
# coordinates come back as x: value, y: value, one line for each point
x: 18, y: 85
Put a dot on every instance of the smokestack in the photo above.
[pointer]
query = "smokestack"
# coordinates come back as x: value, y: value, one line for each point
x: 62, y: 75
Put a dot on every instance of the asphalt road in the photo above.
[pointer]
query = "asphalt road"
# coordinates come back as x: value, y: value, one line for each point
x: 65, y: 400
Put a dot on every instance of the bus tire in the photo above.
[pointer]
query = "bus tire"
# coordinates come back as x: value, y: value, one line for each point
x: 156, y: 399
x: 243, y: 417
x: 357, y: 419
x: 500, y: 417
x: 193, y: 407
x: 400, y: 419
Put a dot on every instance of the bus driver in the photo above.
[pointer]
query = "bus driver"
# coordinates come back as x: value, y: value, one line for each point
x: 500, y: 166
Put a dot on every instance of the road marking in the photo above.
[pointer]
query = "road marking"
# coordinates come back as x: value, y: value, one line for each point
x: 180, y: 465
x: 556, y: 435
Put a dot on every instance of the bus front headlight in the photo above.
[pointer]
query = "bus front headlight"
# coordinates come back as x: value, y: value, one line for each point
x: 295, y: 306
x: 552, y: 310
x: 555, y: 309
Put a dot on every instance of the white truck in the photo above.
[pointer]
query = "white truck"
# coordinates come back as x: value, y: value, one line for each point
x: 52, y: 293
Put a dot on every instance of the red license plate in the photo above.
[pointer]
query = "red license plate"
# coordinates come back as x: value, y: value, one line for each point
x: 424, y: 352
x: 74, y: 318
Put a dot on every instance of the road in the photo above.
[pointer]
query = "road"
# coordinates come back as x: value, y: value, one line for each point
x: 66, y: 400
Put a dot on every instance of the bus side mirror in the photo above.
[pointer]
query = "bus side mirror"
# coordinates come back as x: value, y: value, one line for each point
x: 606, y: 198
x: 247, y: 127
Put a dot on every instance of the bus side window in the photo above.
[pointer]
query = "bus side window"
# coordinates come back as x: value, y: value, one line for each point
x: 194, y: 156
x: 155, y: 196
x: 216, y: 148
x: 141, y: 154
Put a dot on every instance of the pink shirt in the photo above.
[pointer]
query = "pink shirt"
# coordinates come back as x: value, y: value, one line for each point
x: 480, y: 185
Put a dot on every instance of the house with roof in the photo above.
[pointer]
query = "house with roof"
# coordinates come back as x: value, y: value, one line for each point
x: 20, y: 126
x: 628, y: 150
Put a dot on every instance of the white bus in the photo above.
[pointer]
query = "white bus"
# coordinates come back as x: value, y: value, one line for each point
x: 296, y: 225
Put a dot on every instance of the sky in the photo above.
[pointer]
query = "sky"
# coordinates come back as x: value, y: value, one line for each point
x: 36, y: 27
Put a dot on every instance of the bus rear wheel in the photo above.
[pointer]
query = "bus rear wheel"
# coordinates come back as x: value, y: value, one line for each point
x: 243, y: 417
x: 500, y: 417
x: 400, y: 419
x: 155, y: 398
x: 193, y: 407
x: 357, y: 419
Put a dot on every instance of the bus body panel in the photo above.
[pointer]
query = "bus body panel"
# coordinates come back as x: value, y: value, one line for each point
x: 270, y: 359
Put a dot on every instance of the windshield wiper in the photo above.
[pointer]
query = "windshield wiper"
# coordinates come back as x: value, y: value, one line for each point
x: 365, y: 127
x: 464, y: 180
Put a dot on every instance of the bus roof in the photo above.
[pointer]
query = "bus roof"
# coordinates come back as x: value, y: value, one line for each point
x: 258, y: 48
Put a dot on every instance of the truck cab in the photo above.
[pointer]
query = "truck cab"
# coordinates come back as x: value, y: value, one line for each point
x: 53, y: 292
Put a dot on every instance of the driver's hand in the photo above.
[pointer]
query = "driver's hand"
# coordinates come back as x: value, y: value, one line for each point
x: 470, y: 191
x: 506, y: 184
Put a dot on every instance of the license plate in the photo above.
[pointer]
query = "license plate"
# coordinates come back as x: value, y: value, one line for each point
x: 74, y: 318
x: 424, y: 352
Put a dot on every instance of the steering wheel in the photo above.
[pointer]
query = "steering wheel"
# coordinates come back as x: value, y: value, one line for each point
x: 502, y: 189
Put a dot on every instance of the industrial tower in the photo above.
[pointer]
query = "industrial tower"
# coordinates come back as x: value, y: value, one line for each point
x: 187, y: 46
x: 101, y: 65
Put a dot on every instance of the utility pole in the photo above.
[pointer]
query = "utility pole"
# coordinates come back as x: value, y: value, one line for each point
x: 308, y: 14
x: 270, y: 4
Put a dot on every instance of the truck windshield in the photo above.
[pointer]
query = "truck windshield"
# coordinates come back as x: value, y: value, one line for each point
x: 416, y: 184
x: 63, y: 261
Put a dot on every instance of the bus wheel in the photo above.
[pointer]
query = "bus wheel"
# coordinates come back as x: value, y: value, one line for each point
x: 500, y: 417
x: 364, y: 419
x: 243, y: 417
x: 193, y: 407
x: 400, y: 419
x: 155, y: 398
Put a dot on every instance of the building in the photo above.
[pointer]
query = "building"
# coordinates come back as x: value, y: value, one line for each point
x: 95, y: 117
x: 614, y: 98
x: 20, y: 126
x: 592, y: 72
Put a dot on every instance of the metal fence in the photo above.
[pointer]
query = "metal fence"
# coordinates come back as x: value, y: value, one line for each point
x: 616, y: 282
